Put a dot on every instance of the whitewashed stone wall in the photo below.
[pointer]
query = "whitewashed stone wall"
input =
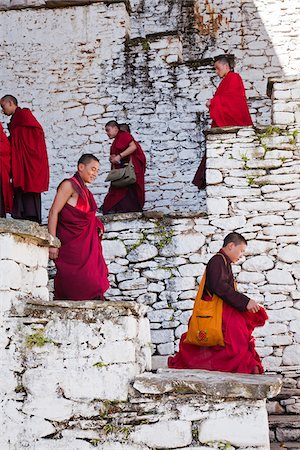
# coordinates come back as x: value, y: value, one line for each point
x: 79, y: 66
x: 73, y: 376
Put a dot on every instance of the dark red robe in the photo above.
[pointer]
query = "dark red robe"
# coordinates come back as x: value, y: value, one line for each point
x: 6, y: 190
x: 239, y: 354
x: 229, y: 105
x: 131, y: 198
x: 30, y: 168
x: 81, y: 270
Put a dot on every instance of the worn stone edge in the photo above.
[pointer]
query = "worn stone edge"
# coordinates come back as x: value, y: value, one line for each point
x: 257, y: 387
x: 107, y: 307
x: 30, y: 231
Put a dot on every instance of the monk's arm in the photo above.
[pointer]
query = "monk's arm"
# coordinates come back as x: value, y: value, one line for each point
x: 130, y: 149
x: 64, y: 192
x: 217, y: 283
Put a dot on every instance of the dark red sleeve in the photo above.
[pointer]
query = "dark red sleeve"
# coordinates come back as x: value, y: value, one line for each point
x: 125, y: 139
x: 219, y: 281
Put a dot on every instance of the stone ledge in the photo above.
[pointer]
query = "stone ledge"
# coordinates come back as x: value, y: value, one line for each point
x: 225, y: 130
x: 79, y: 309
x: 272, y: 80
x: 30, y: 231
x: 157, y: 215
x: 216, y: 385
x: 7, y: 5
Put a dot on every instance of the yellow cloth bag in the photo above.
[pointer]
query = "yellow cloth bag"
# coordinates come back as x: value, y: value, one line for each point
x: 205, y: 325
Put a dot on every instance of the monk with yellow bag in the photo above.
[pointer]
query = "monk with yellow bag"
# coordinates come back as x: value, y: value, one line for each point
x: 219, y: 335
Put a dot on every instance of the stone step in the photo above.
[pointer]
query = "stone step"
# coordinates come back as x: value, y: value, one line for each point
x: 285, y: 445
x: 288, y: 392
x: 284, y: 421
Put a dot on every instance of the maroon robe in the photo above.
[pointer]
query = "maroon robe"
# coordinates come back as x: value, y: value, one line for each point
x: 130, y: 198
x: 81, y: 270
x: 6, y: 190
x: 229, y: 107
x: 30, y: 167
x: 239, y: 354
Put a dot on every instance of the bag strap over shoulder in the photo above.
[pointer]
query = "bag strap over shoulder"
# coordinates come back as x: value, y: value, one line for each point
x: 225, y: 260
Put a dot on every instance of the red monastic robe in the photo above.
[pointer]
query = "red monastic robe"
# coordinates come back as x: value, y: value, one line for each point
x: 6, y: 191
x: 124, y: 195
x: 238, y: 354
x: 30, y: 168
x: 81, y: 270
x: 229, y: 105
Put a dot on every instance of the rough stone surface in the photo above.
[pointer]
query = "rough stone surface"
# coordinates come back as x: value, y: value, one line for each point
x: 212, y: 384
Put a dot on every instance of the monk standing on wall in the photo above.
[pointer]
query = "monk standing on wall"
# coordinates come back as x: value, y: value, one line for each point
x: 30, y: 168
x: 6, y: 191
x: 232, y: 347
x: 81, y: 270
x: 229, y: 107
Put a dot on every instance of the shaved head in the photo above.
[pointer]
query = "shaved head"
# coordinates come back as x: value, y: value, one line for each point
x: 9, y: 98
x: 9, y: 104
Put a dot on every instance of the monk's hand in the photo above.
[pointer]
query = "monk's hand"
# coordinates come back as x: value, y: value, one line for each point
x: 53, y: 253
x: 208, y: 103
x: 115, y: 159
x: 253, y: 306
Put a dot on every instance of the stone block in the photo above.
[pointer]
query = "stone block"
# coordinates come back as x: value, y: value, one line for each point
x: 213, y: 176
x: 216, y: 206
x: 183, y: 244
x: 189, y: 270
x: 112, y: 249
x: 158, y: 274
x: 162, y: 336
x: 243, y: 429
x: 258, y: 264
x: 144, y: 252
x: 10, y: 275
x: 136, y: 283
x: 291, y: 355
x: 280, y: 117
x: 250, y: 277
x: 264, y: 206
x: 230, y: 223
x: 289, y: 254
x: 22, y: 252
x: 180, y: 284
x: 168, y: 434
x: 278, y: 276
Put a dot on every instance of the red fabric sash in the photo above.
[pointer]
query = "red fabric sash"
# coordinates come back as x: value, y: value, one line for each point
x: 5, y: 171
x: 30, y: 168
x: 229, y: 105
x: 238, y: 355
x: 115, y: 195
x: 81, y: 270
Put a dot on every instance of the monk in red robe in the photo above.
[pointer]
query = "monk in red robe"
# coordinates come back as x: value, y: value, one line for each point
x: 228, y: 107
x: 6, y: 191
x: 30, y: 168
x: 240, y: 315
x: 81, y: 270
x: 130, y: 198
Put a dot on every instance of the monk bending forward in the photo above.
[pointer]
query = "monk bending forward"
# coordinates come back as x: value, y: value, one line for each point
x: 240, y: 316
x: 81, y: 269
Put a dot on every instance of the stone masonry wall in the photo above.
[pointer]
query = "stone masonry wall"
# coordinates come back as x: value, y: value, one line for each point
x: 148, y: 63
x: 73, y: 374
